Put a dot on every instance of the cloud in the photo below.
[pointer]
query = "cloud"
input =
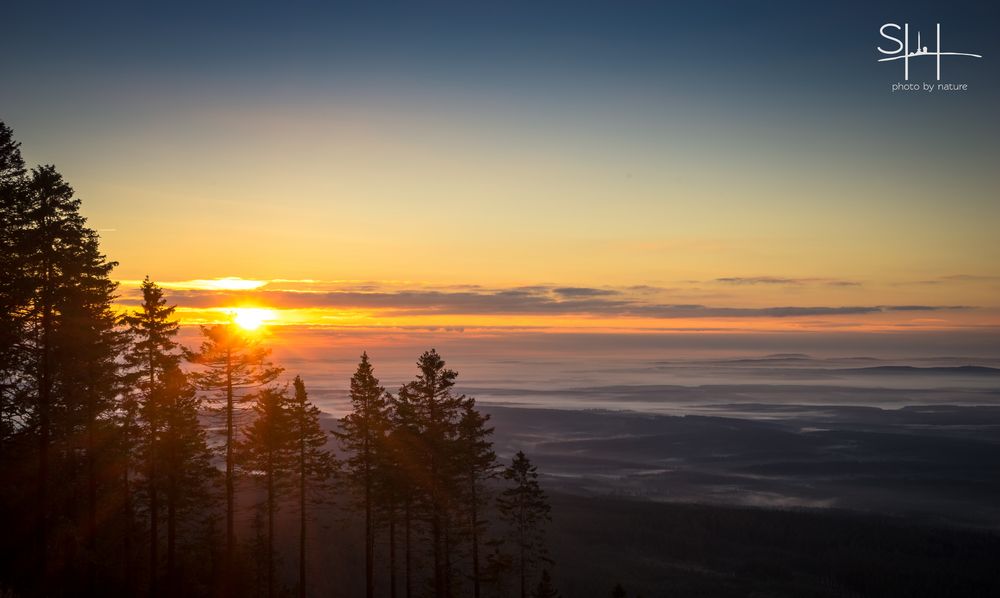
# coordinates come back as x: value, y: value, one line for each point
x: 781, y: 280
x: 923, y: 307
x: 582, y: 292
x: 844, y: 283
x: 971, y: 277
x: 758, y: 280
x: 537, y: 300
x: 952, y: 278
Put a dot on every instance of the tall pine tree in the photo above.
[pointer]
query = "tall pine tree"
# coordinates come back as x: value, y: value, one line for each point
x: 69, y: 347
x: 153, y: 354
x: 477, y: 463
x: 185, y: 469
x: 362, y: 437
x: 404, y: 464
x: 15, y: 410
x: 268, y: 451
x: 233, y: 364
x: 437, y: 411
x: 313, y: 462
x: 525, y: 510
x: 12, y: 299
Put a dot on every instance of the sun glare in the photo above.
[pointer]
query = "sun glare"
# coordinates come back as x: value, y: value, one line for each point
x: 251, y: 318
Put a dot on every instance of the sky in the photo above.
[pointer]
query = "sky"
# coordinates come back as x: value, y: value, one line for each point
x: 619, y: 168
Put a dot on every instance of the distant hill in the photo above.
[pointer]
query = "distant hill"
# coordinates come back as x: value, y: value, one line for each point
x: 963, y: 370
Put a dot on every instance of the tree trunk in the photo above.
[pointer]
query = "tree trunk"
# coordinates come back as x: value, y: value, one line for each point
x: 270, y: 532
x: 409, y: 551
x: 438, y: 556
x: 392, y: 551
x: 91, y: 497
x: 172, y: 535
x: 475, y: 540
x: 230, y: 490
x: 44, y: 433
x: 302, y: 514
x: 154, y: 506
x: 524, y: 585
x: 127, y: 539
x: 154, y: 509
x: 447, y: 560
x: 369, y: 536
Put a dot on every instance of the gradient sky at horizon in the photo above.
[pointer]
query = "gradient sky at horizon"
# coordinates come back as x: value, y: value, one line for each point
x: 554, y: 166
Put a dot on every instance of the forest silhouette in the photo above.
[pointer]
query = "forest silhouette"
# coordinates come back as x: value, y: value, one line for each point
x: 128, y: 461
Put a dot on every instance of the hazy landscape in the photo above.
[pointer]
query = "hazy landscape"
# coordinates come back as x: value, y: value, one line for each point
x: 499, y: 299
x: 774, y: 431
x: 783, y: 474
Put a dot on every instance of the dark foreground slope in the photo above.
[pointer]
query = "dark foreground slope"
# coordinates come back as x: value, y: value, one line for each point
x: 657, y: 549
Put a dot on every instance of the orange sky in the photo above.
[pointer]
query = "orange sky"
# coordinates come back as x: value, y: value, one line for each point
x: 763, y: 304
x: 580, y: 177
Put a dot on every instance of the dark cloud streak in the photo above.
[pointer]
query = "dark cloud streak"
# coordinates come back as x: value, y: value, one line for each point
x: 534, y: 300
x: 781, y: 280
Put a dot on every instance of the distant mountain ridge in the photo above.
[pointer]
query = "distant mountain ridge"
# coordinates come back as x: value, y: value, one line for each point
x: 973, y: 370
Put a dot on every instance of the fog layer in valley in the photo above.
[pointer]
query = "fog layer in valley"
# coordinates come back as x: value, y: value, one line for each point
x: 918, y: 438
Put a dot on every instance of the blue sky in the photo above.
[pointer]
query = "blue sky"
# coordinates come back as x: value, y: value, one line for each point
x: 576, y: 144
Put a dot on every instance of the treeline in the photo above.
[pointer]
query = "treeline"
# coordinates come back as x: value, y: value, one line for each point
x: 123, y: 455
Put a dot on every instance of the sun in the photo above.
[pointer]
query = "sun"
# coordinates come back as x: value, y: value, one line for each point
x: 251, y: 318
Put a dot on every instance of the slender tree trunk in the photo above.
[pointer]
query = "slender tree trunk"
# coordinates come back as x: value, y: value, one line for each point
x: 270, y: 531
x: 3, y: 423
x: 438, y: 556
x: 154, y: 532
x: 447, y: 560
x: 127, y: 539
x: 475, y: 539
x: 44, y: 439
x: 522, y: 565
x: 302, y: 513
x: 172, y: 534
x: 91, y: 497
x: 230, y: 490
x: 392, y: 550
x: 409, y: 551
x: 439, y: 591
x: 369, y: 532
x: 154, y: 498
x: 524, y: 584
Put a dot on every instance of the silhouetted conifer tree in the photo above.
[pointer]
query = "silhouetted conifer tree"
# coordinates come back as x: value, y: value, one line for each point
x: 130, y: 437
x: 12, y: 298
x: 268, y: 450
x: 362, y: 437
x: 404, y: 469
x: 233, y: 363
x: 153, y: 353
x: 477, y: 462
x: 186, y: 471
x: 313, y: 463
x: 15, y: 408
x: 437, y: 413
x: 525, y: 509
x: 68, y: 348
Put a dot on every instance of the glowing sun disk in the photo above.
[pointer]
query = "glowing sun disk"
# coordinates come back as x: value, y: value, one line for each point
x: 251, y: 318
